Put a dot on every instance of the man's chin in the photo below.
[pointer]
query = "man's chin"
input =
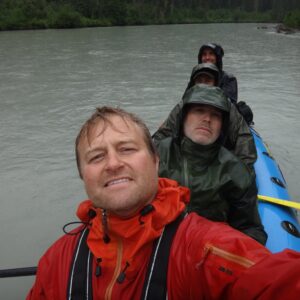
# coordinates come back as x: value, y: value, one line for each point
x: 202, y: 141
x: 124, y: 213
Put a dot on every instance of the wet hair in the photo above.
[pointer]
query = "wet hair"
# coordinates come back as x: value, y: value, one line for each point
x: 103, y: 114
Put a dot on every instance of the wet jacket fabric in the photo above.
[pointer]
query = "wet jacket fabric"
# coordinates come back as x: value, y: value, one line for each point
x: 208, y: 260
x: 228, y: 83
x: 222, y: 188
x: 238, y: 140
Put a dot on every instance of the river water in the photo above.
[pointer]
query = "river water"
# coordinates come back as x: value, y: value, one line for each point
x: 51, y: 80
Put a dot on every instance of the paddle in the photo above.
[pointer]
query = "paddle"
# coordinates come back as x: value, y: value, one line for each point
x: 28, y: 271
x: 32, y: 270
x: 282, y: 202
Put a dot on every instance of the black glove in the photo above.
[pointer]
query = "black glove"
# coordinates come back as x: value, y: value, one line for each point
x: 245, y: 111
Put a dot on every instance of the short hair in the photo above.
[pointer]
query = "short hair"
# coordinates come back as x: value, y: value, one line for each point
x: 103, y: 114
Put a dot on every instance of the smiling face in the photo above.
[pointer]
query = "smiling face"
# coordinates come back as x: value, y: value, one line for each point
x: 208, y: 56
x: 118, y: 170
x: 203, y: 124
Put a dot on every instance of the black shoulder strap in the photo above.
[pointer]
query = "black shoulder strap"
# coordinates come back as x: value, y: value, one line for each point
x: 80, y: 280
x: 155, y: 286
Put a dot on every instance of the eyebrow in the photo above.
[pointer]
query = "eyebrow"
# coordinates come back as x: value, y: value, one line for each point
x: 118, y: 144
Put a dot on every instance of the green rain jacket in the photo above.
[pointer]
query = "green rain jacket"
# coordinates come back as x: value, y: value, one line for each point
x: 239, y: 139
x: 222, y: 188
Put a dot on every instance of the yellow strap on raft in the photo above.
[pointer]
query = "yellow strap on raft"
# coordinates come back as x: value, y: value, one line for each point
x: 287, y: 203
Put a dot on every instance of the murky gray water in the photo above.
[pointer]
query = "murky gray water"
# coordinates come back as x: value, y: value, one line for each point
x: 50, y: 82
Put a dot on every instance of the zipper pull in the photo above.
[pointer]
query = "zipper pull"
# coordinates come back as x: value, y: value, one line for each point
x: 122, y: 275
x: 206, y: 250
x: 98, y: 267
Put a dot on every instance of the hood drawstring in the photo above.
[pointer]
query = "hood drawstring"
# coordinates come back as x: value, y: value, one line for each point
x: 91, y: 214
x: 98, y: 271
x: 122, y: 275
x: 106, y: 237
x: 146, y: 210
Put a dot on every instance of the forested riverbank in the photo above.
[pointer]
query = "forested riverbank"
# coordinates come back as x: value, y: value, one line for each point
x: 40, y: 14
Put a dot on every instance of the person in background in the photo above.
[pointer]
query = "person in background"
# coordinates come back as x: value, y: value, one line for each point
x: 213, y: 53
x: 222, y: 187
x: 238, y: 140
x: 205, y: 73
x: 136, y: 243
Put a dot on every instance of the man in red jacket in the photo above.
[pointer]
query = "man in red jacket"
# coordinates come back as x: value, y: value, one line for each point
x: 137, y: 243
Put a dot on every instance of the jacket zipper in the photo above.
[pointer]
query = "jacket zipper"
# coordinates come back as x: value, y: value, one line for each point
x: 185, y: 172
x: 109, y: 289
x: 240, y: 260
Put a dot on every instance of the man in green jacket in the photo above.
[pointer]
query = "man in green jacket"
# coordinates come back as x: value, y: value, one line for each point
x: 222, y: 188
x: 238, y: 140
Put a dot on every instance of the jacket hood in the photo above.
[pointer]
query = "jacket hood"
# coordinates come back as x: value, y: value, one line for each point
x: 203, y: 94
x: 136, y: 232
x: 207, y: 68
x: 208, y: 95
x: 217, y: 49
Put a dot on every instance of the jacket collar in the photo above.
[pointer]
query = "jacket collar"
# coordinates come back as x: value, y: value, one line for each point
x: 133, y: 234
x: 197, y: 153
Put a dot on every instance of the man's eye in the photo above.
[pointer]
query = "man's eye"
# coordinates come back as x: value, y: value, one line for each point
x: 127, y: 150
x: 217, y: 115
x: 96, y: 157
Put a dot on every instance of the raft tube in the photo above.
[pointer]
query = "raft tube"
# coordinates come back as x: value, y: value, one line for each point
x: 280, y: 221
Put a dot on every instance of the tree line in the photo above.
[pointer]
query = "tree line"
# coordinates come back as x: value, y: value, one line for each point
x: 37, y: 14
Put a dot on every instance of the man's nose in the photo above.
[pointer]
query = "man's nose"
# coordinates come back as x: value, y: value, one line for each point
x: 114, y: 161
x: 206, y: 117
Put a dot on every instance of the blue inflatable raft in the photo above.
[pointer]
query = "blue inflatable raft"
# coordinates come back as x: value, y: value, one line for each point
x: 277, y: 215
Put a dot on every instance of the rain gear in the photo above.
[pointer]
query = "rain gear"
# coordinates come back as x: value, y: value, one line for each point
x: 238, y: 140
x: 222, y: 188
x: 207, y: 68
x: 208, y: 260
x: 227, y: 82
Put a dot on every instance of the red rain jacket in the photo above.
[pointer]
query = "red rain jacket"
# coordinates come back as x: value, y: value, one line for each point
x: 208, y: 260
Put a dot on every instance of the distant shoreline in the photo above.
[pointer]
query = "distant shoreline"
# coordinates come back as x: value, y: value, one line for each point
x: 278, y: 27
x: 47, y: 15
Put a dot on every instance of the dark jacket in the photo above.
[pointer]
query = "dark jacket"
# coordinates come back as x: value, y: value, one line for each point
x: 222, y: 188
x: 227, y: 82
